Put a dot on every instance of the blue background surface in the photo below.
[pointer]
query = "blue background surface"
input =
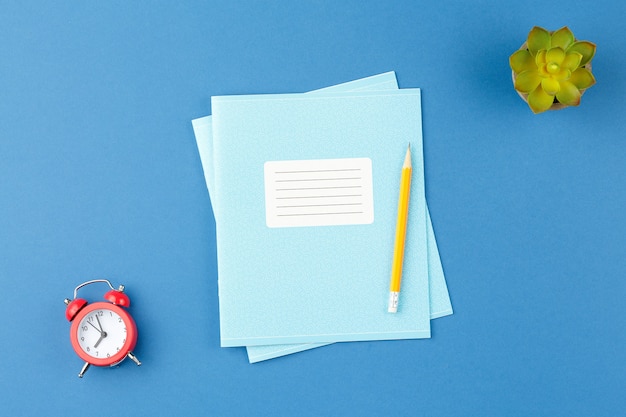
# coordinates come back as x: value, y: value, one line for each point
x: 100, y: 177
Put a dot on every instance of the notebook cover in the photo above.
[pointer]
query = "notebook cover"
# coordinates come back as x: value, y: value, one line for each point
x: 316, y: 284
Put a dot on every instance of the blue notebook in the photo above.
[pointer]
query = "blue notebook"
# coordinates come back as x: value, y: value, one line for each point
x: 439, y: 298
x: 299, y: 273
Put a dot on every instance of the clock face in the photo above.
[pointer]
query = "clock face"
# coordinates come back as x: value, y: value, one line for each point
x: 103, y: 334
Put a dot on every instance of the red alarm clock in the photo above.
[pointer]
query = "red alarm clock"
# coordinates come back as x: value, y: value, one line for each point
x: 102, y: 333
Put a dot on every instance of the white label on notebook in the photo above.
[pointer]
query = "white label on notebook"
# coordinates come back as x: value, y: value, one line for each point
x: 319, y: 192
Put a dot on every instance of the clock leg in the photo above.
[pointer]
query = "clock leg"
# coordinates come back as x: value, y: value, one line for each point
x: 134, y: 358
x: 82, y: 371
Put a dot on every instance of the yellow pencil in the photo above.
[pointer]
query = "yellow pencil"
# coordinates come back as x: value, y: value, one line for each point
x: 401, y: 222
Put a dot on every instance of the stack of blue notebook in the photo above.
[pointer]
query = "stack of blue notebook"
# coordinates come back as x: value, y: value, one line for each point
x: 304, y: 189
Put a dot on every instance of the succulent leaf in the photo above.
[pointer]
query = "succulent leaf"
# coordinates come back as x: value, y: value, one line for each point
x: 572, y: 60
x: 522, y: 61
x: 562, y: 75
x: 538, y: 39
x: 582, y: 78
x: 550, y: 86
x: 562, y: 38
x: 569, y: 94
x: 555, y: 56
x: 585, y: 48
x: 540, y: 58
x: 527, y: 81
x: 539, y: 101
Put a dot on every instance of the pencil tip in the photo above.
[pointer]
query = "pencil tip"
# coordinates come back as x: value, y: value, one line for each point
x: 407, y: 157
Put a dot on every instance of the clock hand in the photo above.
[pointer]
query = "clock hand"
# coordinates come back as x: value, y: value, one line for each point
x: 98, y: 330
x: 99, y: 340
x: 102, y: 336
x: 99, y: 325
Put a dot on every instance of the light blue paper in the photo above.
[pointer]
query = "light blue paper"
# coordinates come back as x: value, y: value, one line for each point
x: 316, y: 284
x: 439, y: 298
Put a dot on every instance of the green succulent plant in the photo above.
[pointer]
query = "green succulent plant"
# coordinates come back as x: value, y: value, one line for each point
x: 552, y: 67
